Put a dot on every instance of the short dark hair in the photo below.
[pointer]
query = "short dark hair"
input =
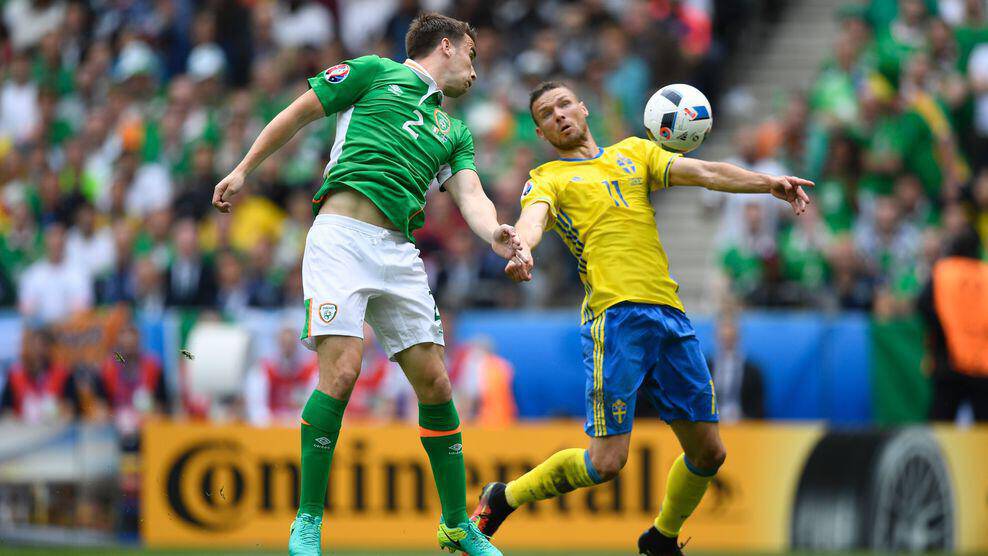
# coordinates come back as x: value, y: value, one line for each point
x: 966, y: 243
x: 541, y: 89
x: 429, y: 29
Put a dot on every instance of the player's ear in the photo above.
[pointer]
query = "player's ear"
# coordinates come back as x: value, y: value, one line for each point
x: 447, y: 46
x: 583, y: 106
x: 538, y: 132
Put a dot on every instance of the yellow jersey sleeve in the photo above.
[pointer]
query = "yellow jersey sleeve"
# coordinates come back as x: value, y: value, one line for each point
x: 659, y: 161
x: 541, y: 189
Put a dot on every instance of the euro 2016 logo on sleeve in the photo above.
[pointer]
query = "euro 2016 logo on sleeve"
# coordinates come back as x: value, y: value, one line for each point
x: 337, y: 73
x: 527, y: 189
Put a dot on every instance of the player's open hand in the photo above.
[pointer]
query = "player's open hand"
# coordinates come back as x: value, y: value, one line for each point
x: 790, y: 190
x: 506, y: 243
x: 224, y: 190
x: 519, y: 268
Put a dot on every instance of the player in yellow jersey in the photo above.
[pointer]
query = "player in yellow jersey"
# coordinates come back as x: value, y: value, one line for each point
x: 635, y: 333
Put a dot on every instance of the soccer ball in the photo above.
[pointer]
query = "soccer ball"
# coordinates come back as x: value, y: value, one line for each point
x: 678, y: 118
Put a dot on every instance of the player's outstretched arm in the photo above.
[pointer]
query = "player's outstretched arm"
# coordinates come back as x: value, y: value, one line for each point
x: 721, y: 176
x: 303, y: 110
x: 530, y: 227
x: 480, y: 214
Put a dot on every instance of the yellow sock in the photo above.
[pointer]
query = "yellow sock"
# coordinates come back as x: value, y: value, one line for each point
x: 684, y: 490
x: 563, y: 472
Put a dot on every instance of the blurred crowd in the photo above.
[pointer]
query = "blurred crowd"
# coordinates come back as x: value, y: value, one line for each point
x: 117, y: 118
x: 894, y: 130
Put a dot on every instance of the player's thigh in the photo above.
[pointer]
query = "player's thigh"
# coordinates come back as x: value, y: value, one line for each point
x: 614, y: 363
x: 404, y: 313
x: 701, y: 443
x: 609, y: 454
x: 679, y: 383
x: 339, y: 360
x: 425, y: 366
x: 338, y: 276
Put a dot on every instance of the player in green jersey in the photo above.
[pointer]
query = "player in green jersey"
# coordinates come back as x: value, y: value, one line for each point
x: 393, y: 140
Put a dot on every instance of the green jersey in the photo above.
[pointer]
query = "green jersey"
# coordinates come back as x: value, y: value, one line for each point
x: 392, y: 136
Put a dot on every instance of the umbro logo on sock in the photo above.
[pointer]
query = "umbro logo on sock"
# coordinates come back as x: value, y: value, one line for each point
x: 322, y: 442
x: 456, y: 449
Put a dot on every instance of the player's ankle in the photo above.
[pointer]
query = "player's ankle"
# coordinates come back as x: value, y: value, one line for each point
x: 499, y: 501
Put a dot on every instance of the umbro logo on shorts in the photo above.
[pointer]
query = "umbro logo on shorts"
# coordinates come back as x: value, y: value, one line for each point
x: 327, y: 312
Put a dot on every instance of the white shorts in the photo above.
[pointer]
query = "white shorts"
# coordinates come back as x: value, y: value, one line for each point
x: 353, y: 271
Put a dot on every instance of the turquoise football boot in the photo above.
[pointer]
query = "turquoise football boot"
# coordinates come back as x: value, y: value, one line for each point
x: 466, y: 539
x: 306, y: 536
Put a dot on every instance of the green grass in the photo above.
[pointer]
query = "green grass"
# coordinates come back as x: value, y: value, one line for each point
x: 6, y: 551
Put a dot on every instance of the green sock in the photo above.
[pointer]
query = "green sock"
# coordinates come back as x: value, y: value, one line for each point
x: 322, y: 417
x: 439, y: 427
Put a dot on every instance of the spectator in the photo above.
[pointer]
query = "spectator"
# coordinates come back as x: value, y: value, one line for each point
x: 977, y: 69
x: 836, y: 191
x: 803, y: 248
x: 232, y: 295
x: 954, y: 305
x: 483, y: 381
x: 190, y: 278
x: 276, y: 388
x: 117, y: 285
x: 195, y: 196
x: 88, y: 247
x: 888, y: 244
x: 264, y: 278
x: 149, y: 292
x: 852, y: 287
x: 303, y: 23
x: 153, y: 240
x: 738, y: 381
x: 131, y: 385
x: 53, y: 288
x: 30, y: 20
x: 39, y: 389
x: 19, y: 110
x: 744, y: 258
x: 980, y: 195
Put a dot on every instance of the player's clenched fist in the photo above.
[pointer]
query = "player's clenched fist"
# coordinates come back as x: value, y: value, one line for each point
x: 224, y: 190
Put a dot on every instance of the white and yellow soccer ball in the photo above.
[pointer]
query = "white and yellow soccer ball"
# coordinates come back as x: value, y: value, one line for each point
x: 678, y: 117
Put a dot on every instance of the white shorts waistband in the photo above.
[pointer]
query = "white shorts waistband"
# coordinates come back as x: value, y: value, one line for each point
x: 360, y: 226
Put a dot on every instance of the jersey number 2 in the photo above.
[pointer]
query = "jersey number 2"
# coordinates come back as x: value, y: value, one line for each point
x: 407, y: 126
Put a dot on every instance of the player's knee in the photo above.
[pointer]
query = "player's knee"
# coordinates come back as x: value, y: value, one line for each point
x: 710, y: 457
x: 435, y: 388
x: 609, y: 463
x: 338, y: 372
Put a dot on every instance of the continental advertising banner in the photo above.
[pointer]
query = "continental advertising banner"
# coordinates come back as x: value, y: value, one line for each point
x: 782, y: 486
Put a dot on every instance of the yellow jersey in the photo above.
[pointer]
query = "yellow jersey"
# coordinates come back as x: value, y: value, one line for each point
x: 600, y: 208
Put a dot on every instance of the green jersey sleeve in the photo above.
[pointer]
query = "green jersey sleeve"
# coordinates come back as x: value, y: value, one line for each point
x: 343, y: 84
x: 462, y: 157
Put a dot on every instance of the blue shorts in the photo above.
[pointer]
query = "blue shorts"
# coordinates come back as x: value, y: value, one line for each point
x: 633, y: 346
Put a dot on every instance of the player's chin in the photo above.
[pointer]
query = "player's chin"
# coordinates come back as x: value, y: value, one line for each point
x: 455, y: 92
